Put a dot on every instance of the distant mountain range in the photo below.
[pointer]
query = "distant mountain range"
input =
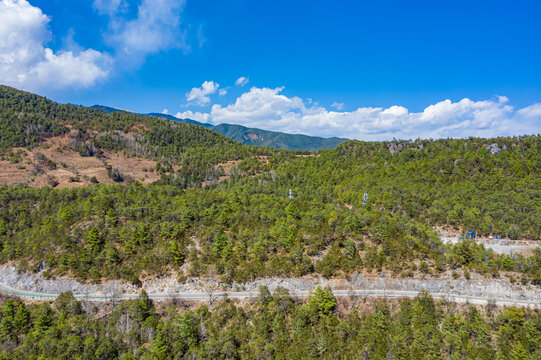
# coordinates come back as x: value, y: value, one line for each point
x: 252, y: 136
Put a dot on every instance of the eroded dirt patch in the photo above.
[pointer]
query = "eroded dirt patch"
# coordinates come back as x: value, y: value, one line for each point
x: 54, y: 163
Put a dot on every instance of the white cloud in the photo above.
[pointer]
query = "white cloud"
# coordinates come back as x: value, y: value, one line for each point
x: 242, y: 81
x: 502, y: 99
x: 532, y: 111
x: 269, y: 109
x: 165, y: 111
x: 338, y: 106
x: 222, y: 92
x: 199, y: 95
x: 156, y: 28
x: 197, y: 116
x: 26, y: 63
x: 395, y: 111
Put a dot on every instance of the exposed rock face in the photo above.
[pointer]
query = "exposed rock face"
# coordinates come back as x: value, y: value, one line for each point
x: 394, y: 148
x: 495, y: 149
x: 253, y: 137
x: 477, y: 286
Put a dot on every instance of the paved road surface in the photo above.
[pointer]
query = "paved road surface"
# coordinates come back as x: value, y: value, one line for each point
x: 204, y: 296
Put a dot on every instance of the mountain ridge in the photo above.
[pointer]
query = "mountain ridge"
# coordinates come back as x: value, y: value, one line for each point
x: 254, y: 136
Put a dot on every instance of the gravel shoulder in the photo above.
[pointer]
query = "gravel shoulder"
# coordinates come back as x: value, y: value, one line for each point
x: 500, y: 246
x: 477, y: 287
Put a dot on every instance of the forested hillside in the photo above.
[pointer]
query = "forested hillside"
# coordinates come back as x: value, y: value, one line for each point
x: 30, y: 121
x: 276, y: 140
x: 273, y: 327
x: 25, y: 119
x: 364, y: 206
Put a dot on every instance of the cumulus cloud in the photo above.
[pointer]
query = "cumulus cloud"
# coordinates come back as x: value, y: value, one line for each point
x: 222, y: 92
x: 200, y: 95
x: 242, y: 81
x: 269, y: 109
x: 503, y: 99
x: 26, y: 62
x: 197, y: 116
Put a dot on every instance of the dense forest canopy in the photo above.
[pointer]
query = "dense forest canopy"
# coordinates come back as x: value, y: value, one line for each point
x: 362, y: 206
x: 275, y: 326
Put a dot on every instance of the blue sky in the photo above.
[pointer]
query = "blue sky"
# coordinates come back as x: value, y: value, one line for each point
x: 363, y: 69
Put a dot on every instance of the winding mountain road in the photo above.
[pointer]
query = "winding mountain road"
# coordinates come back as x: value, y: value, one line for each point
x: 207, y: 296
